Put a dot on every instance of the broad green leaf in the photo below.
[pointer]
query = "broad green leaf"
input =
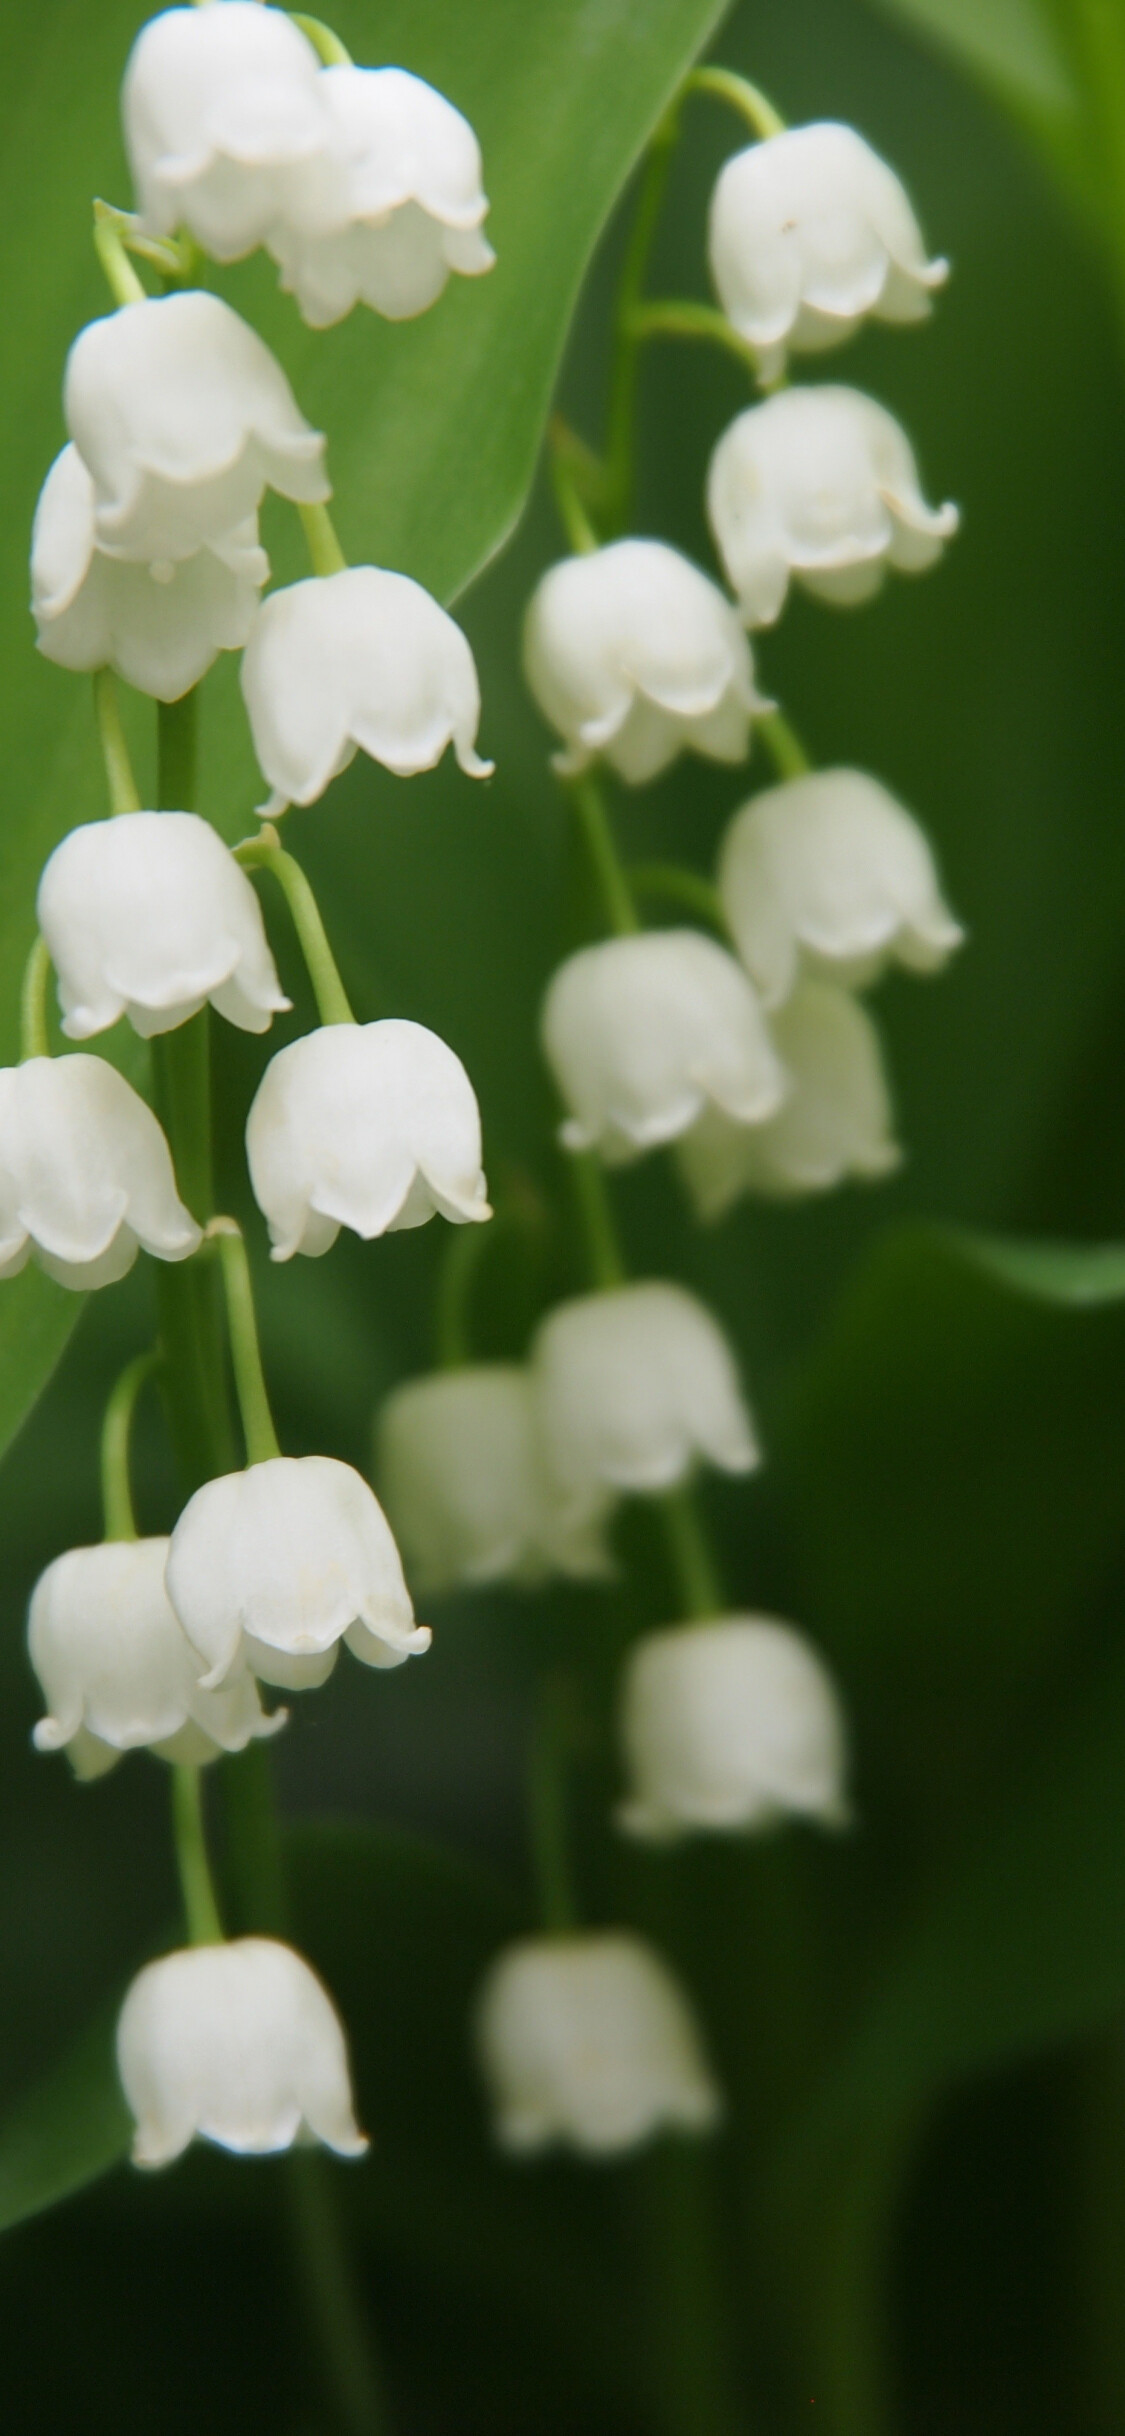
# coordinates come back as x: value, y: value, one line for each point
x: 1079, y: 1275
x: 67, y: 2131
x: 1010, y: 45
x: 36, y: 1319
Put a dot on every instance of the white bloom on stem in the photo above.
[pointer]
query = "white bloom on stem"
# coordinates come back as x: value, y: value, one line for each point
x: 149, y: 915
x: 635, y: 1386
x: 370, y: 1126
x: 275, y: 1566
x: 643, y: 1033
x: 240, y: 2044
x: 461, y: 1473
x: 414, y: 203
x: 734, y: 1723
x: 183, y: 417
x: 633, y: 653
x: 588, y: 2040
x: 85, y: 1174
x: 836, y: 1123
x: 809, y: 232
x: 160, y: 631
x: 820, y: 484
x: 117, y: 1671
x: 829, y: 870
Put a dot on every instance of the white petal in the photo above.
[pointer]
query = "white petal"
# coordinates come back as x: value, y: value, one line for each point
x: 730, y: 1724
x: 836, y: 1122
x: 461, y: 1473
x: 633, y: 1387
x: 85, y: 1171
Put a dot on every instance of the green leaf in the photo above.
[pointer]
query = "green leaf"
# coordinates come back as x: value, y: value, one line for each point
x: 70, y: 2129
x: 36, y: 1319
x: 1079, y: 1275
x: 1010, y: 45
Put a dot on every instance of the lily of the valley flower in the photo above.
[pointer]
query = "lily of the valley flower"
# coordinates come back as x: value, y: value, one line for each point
x: 734, y: 1723
x: 461, y: 1472
x: 835, y: 1123
x: 85, y: 1174
x: 634, y: 1387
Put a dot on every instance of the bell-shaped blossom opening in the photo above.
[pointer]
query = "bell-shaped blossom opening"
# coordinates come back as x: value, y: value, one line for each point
x: 809, y: 233
x: 633, y: 653
x: 183, y: 416
x: 462, y: 1475
x: 835, y: 1124
x: 733, y: 1723
x: 369, y: 1126
x: 149, y: 915
x: 414, y: 203
x: 85, y: 1174
x: 829, y: 871
x: 643, y: 1033
x: 634, y: 1388
x: 361, y: 661
x: 293, y: 1557
x: 820, y: 484
x: 239, y: 2044
x: 588, y: 2041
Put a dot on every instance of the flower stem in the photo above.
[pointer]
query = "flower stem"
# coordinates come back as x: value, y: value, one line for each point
x: 123, y: 795
x: 109, y: 245
x: 266, y: 852
x: 603, y: 1250
x: 339, y: 2322
x: 783, y: 745
x: 117, y: 1501
x: 751, y: 104
x: 34, y: 1041
x: 605, y: 862
x: 693, y: 1559
x: 546, y: 1802
x: 620, y: 452
x: 693, y: 2372
x: 461, y: 1257
x: 187, y: 1292
x: 177, y: 752
x: 572, y: 513
x: 326, y: 43
x: 323, y: 542
x: 683, y: 317
x: 246, y: 1352
x: 682, y: 887
x: 201, y: 1911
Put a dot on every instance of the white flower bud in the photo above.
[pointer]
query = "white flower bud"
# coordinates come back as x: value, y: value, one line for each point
x: 835, y: 1123
x: 239, y: 2044
x: 634, y: 1387
x: 370, y: 1126
x: 728, y: 1724
x: 822, y: 484
x: 149, y: 915
x: 632, y: 652
x: 590, y: 2041
x: 85, y: 1174
x: 461, y: 1473
x: 183, y: 416
x: 643, y: 1033
x: 413, y: 202
x: 830, y: 869
x: 286, y: 1560
x: 117, y: 1671
x: 809, y: 232
x: 361, y: 661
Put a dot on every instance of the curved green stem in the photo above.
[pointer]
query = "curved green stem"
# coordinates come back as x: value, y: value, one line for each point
x: 680, y: 887
x: 117, y: 1500
x: 724, y: 85
x: 338, y: 2320
x: 321, y: 537
x: 573, y: 517
x: 109, y: 244
x: 783, y: 745
x: 693, y: 1560
x: 621, y: 410
x: 245, y: 1350
x: 546, y: 1801
x: 682, y: 317
x: 461, y: 1259
x: 201, y: 1910
x: 123, y: 794
x: 34, y: 1041
x: 328, y: 47
x: 266, y: 852
x: 607, y: 1267
x: 605, y: 862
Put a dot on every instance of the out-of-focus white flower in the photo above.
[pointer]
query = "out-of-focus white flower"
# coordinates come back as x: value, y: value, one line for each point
x: 632, y: 652
x: 809, y: 232
x: 226, y: 127
x: 239, y: 2044
x: 732, y: 1723
x: 461, y: 1473
x: 821, y: 484
x: 149, y: 915
x: 118, y: 1673
x: 589, y: 2040
x: 829, y: 868
x: 634, y: 1387
x: 160, y: 631
x: 371, y: 1126
x: 274, y: 1566
x: 363, y: 660
x: 643, y: 1033
x: 85, y: 1174
x: 182, y: 417
x: 835, y: 1123
x: 413, y: 204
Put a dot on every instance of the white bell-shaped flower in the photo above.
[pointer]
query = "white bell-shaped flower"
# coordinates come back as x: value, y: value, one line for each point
x: 414, y: 204
x: 728, y: 1724
x: 149, y: 915
x: 820, y: 484
x: 240, y: 2044
x: 160, y: 631
x: 275, y: 1566
x: 226, y: 127
x: 836, y: 1122
x: 643, y: 1033
x: 633, y: 653
x: 117, y: 1671
x: 589, y: 2041
x: 85, y: 1174
x: 809, y: 232
x: 461, y: 1473
x: 370, y: 1126
x: 829, y: 870
x: 635, y: 1386
x: 361, y: 661
x: 183, y: 416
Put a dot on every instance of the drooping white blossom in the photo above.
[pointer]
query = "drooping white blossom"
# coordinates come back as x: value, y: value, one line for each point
x: 734, y: 1723
x: 117, y: 1671
x: 149, y: 915
x: 820, y: 484
x: 836, y: 1122
x: 370, y: 1126
x: 633, y: 653
x: 830, y: 871
x: 634, y: 1387
x: 462, y: 1475
x: 810, y: 232
x: 183, y: 417
x: 239, y: 2044
x: 589, y: 2041
x: 643, y: 1033
x: 365, y: 660
x: 85, y: 1174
